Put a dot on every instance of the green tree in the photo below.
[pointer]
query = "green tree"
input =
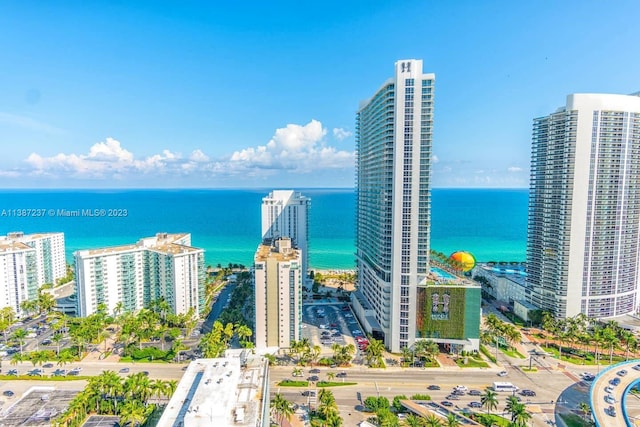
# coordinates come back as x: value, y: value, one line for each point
x: 374, y: 353
x: 452, y: 421
x: 20, y: 335
x: 520, y: 416
x: 489, y: 400
x: 585, y: 409
x: 281, y: 408
x: 432, y: 420
x: 133, y: 413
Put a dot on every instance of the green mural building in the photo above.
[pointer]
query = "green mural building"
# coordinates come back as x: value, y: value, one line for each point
x: 449, y: 314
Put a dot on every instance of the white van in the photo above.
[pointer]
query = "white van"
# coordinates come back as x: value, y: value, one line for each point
x: 499, y: 386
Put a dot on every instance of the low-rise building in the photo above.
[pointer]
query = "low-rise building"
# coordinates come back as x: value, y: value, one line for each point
x: 227, y: 391
x: 504, y: 282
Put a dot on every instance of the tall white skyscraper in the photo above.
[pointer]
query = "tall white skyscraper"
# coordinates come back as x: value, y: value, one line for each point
x: 394, y: 136
x: 28, y: 261
x: 278, y: 294
x: 583, y: 247
x: 285, y: 213
x: 165, y: 266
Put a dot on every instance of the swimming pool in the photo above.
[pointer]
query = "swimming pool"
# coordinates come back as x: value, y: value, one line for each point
x: 440, y: 272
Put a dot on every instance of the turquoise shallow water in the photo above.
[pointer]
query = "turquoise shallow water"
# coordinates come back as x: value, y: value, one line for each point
x: 491, y: 224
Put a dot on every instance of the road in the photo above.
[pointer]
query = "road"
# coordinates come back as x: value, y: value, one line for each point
x: 601, y: 412
x: 392, y: 382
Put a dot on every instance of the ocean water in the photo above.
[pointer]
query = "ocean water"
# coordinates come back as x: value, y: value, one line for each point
x: 491, y: 224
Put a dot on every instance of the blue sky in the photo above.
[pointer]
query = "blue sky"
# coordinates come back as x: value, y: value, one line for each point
x: 264, y: 94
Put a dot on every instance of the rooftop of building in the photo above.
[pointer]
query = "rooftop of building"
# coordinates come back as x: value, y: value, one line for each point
x: 513, y: 271
x: 13, y: 246
x: 161, y: 242
x: 280, y: 250
x: 19, y: 235
x: 440, y: 275
x: 224, y: 391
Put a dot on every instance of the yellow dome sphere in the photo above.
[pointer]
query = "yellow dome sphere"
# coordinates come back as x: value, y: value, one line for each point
x: 466, y: 260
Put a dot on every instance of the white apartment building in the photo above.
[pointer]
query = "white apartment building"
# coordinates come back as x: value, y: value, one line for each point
x: 285, y: 213
x: 278, y: 294
x: 165, y: 266
x: 583, y: 246
x: 393, y: 198
x: 28, y: 261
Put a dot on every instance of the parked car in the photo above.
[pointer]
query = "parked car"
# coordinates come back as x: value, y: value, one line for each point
x: 475, y: 393
x: 48, y: 365
x: 124, y: 370
x: 621, y: 373
x: 446, y: 403
x: 615, y: 381
x: 475, y: 405
x: 609, y: 399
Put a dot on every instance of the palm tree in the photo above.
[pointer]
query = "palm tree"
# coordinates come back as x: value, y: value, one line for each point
x: 281, y: 408
x: 7, y: 317
x: 413, y: 420
x: 65, y: 357
x: 374, y: 353
x: 630, y: 341
x: 452, y: 421
x: 512, y: 401
x: 432, y: 420
x: 20, y: 335
x: 585, y: 408
x: 331, y: 375
x: 132, y: 413
x: 520, y: 416
x: 489, y: 400
x: 56, y: 338
x: 407, y: 356
x: 244, y: 333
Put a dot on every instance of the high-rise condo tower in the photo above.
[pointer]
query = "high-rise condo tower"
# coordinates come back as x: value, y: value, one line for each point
x: 285, y: 213
x: 393, y: 138
x: 583, y: 246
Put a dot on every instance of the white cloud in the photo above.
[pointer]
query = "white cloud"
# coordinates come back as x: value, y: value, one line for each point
x: 514, y: 169
x: 295, y: 148
x: 198, y: 156
x: 341, y: 134
x: 104, y: 159
x: 292, y: 149
x: 435, y: 159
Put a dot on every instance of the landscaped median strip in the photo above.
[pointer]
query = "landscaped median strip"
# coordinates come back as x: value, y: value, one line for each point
x: 289, y: 383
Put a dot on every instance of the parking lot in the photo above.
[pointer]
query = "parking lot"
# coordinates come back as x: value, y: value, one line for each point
x: 37, y: 407
x: 328, y: 324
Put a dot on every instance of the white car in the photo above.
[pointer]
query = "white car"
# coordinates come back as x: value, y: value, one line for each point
x: 502, y: 373
x: 461, y: 388
x: 322, y: 326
